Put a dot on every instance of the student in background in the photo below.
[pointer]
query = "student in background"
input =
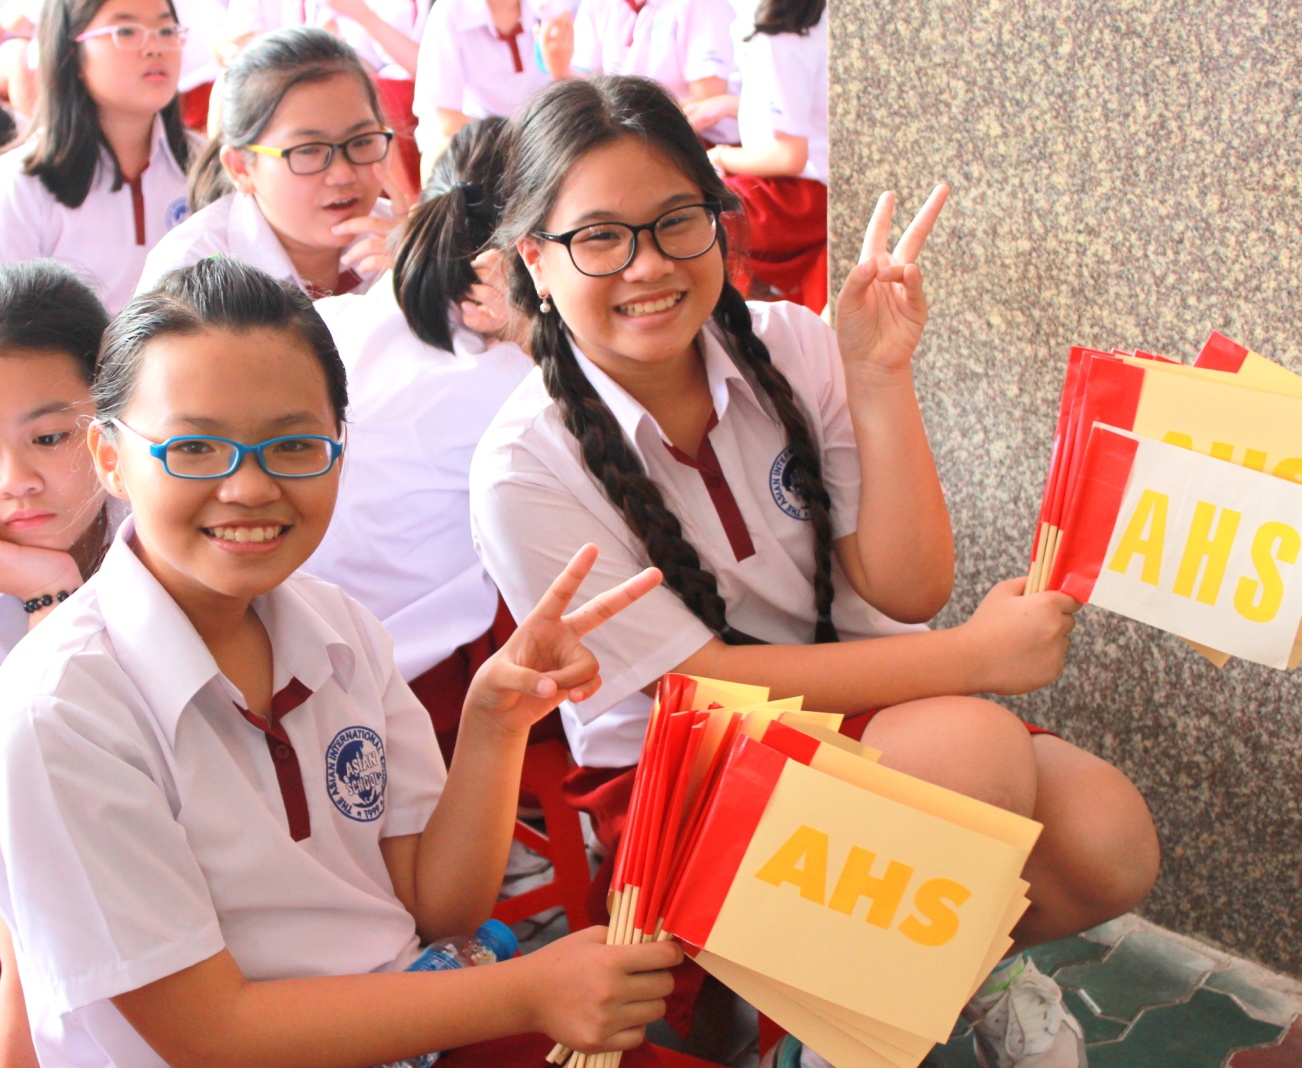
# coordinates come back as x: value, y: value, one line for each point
x: 430, y: 360
x: 19, y: 87
x: 102, y: 177
x: 275, y: 791
x: 292, y: 184
x: 54, y: 521
x: 781, y: 479
x: 779, y: 171
x: 384, y: 33
x: 203, y: 21
x: 685, y: 45
x: 477, y: 58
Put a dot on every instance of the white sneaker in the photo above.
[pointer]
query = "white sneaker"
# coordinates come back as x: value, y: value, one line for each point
x: 1026, y: 1025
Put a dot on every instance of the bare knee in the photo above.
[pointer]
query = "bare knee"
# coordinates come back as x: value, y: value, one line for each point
x: 965, y: 744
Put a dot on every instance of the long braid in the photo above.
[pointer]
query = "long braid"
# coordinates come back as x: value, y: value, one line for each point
x: 805, y: 465
x: 609, y: 457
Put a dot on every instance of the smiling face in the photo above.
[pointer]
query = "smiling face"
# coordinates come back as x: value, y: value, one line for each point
x: 652, y: 310
x: 242, y: 535
x: 128, y: 83
x: 302, y: 208
x: 49, y: 494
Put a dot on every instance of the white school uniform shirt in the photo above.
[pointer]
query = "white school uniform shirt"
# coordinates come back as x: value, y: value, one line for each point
x: 145, y: 823
x: 784, y: 90
x: 262, y: 16
x: 533, y: 503
x: 204, y: 20
x: 464, y: 65
x: 400, y: 538
x: 673, y: 41
x: 233, y: 225
x: 14, y: 619
x: 110, y: 235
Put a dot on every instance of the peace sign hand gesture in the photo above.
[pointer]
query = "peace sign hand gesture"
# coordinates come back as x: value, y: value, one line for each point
x: 544, y: 662
x: 881, y: 309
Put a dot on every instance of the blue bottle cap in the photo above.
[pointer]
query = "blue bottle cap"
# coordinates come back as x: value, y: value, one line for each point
x: 498, y: 937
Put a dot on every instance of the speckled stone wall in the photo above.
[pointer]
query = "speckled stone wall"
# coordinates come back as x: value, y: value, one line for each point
x: 1124, y: 173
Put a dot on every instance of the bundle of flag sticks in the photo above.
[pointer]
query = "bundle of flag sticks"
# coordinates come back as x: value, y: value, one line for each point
x: 1173, y: 498
x: 857, y: 907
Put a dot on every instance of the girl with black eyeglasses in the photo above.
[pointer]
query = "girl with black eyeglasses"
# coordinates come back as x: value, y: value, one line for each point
x: 292, y: 184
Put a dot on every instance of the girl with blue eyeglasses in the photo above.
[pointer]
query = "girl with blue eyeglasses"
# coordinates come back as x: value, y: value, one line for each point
x: 225, y: 827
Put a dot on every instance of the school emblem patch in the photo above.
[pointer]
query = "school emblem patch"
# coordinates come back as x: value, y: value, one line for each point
x: 355, y: 773
x: 176, y: 211
x: 785, y: 495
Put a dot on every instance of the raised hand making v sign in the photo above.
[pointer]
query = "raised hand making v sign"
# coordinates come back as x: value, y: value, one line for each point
x: 901, y: 558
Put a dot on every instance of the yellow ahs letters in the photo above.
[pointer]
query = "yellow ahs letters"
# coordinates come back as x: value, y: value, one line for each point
x: 802, y: 861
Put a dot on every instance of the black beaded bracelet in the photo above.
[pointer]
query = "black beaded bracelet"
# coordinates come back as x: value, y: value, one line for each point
x: 44, y: 601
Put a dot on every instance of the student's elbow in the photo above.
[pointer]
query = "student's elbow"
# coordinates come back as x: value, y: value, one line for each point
x: 792, y: 153
x: 917, y: 600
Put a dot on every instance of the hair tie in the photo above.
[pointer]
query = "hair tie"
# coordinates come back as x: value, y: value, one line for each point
x: 478, y: 205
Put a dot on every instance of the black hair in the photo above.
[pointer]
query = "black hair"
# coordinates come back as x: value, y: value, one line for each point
x: 45, y: 306
x: 8, y: 126
x: 217, y: 293
x: 69, y: 144
x: 255, y: 84
x: 787, y: 16
x: 560, y: 125
x: 459, y: 210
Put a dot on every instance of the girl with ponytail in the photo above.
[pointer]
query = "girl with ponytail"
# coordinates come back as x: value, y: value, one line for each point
x: 780, y: 477
x: 429, y: 361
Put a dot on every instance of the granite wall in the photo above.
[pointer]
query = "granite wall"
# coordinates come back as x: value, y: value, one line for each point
x: 1124, y: 173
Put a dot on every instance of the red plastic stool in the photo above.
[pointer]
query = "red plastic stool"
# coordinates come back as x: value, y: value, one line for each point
x: 530, y: 1051
x: 545, y: 766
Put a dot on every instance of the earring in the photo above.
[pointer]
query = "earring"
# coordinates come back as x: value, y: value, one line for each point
x: 545, y: 306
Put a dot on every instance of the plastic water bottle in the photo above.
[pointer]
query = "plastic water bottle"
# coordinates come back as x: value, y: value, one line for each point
x: 493, y: 941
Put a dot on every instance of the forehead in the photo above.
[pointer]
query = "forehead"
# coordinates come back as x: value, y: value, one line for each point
x: 147, y: 12
x: 240, y: 380
x: 36, y: 379
x: 331, y: 106
x: 599, y: 183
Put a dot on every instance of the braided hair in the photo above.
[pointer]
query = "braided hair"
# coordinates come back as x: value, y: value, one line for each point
x: 556, y: 129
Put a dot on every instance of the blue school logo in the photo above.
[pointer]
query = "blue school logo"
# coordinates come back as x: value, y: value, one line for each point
x: 176, y: 211
x: 785, y: 495
x: 355, y: 773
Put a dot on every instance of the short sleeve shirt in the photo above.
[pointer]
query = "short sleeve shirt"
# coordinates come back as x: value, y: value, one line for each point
x: 466, y: 65
x: 146, y: 823
x: 760, y: 548
x: 784, y: 90
x: 109, y: 235
x: 676, y: 42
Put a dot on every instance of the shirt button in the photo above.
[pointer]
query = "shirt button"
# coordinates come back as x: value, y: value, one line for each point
x: 281, y: 752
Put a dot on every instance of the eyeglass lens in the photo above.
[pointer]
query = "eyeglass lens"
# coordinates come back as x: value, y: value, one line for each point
x: 134, y: 38
x: 210, y: 458
x: 362, y: 149
x: 605, y: 248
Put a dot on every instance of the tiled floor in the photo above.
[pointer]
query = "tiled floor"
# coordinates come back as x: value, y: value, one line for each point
x: 1146, y: 998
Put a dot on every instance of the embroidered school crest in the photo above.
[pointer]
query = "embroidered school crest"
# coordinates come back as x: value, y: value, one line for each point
x: 176, y: 211
x: 355, y: 773
x: 785, y: 495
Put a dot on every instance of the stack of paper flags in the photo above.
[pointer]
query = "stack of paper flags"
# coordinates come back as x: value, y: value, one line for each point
x: 1173, y: 497
x: 856, y: 906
